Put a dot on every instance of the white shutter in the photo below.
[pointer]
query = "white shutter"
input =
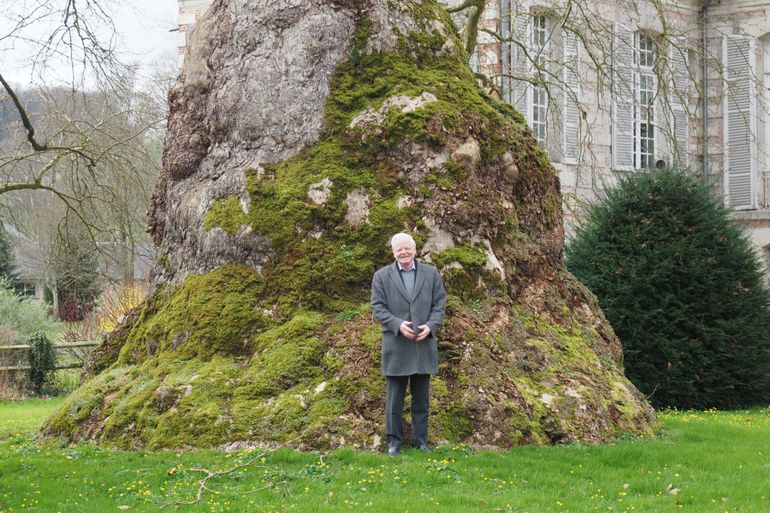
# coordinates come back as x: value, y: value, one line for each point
x: 570, y: 108
x: 679, y: 95
x: 520, y: 64
x: 740, y: 122
x: 622, y: 98
x: 505, y: 50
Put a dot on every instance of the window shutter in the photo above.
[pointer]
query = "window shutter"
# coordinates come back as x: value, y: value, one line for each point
x: 505, y: 50
x: 680, y: 94
x: 520, y: 65
x: 740, y: 121
x: 570, y: 107
x: 622, y: 98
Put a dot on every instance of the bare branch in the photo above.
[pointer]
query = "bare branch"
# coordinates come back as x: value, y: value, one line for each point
x: 465, y: 5
x: 24, y: 117
x: 472, y: 25
x: 203, y: 482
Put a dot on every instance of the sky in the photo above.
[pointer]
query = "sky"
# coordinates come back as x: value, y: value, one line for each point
x: 143, y: 37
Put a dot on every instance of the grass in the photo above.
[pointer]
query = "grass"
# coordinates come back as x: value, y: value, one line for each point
x: 24, y: 417
x: 705, y: 462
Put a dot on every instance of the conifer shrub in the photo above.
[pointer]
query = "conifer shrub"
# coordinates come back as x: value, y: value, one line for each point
x: 7, y: 268
x: 682, y: 288
x: 42, y: 361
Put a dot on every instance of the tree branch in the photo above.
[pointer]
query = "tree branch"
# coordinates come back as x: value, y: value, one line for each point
x: 465, y: 5
x: 30, y: 129
x: 203, y: 488
x: 24, y: 117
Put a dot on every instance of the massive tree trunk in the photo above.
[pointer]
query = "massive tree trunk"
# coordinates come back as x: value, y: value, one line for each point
x: 302, y: 135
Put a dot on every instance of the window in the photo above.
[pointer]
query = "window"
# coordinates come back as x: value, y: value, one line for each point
x: 540, y: 78
x: 539, y: 48
x: 644, y: 106
x: 650, y: 95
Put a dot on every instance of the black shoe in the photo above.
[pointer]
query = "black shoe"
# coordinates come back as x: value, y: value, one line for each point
x: 424, y: 448
x: 394, y: 449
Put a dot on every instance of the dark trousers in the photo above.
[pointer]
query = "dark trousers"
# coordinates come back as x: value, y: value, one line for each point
x: 419, y: 386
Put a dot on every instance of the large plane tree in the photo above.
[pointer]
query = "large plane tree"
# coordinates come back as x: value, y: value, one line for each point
x: 301, y: 136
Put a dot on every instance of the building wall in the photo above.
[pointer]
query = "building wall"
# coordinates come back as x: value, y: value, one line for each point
x: 584, y: 178
x: 583, y: 181
x: 189, y: 12
x: 749, y: 19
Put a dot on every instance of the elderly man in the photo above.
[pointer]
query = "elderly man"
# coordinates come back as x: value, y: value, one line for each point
x: 408, y: 299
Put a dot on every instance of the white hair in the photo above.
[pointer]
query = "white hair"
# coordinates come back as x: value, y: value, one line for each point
x: 402, y: 237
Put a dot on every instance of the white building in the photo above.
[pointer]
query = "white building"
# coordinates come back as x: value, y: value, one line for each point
x: 616, y: 87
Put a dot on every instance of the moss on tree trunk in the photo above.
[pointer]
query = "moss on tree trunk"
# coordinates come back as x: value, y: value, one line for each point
x: 280, y: 346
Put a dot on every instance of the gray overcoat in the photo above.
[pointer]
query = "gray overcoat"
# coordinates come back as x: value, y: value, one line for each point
x: 391, y: 306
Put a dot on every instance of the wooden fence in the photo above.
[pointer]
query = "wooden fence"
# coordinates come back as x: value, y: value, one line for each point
x: 57, y: 347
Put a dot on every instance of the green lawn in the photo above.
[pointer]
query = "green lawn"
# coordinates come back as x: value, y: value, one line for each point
x: 710, y: 462
x: 23, y: 417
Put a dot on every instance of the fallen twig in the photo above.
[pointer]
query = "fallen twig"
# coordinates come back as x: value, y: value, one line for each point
x: 203, y: 488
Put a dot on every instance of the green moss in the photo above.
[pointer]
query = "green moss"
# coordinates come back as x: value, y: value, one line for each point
x: 284, y: 356
x: 202, y: 414
x: 162, y: 259
x: 454, y: 423
x: 468, y: 255
x: 208, y: 314
x: 448, y: 176
x: 363, y: 32
x: 225, y: 214
x: 329, y: 266
x: 372, y: 338
x: 332, y: 362
x: 551, y: 205
x: 132, y: 402
x: 87, y: 400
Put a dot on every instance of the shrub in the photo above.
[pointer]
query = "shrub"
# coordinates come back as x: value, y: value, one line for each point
x: 23, y: 316
x: 114, y: 305
x: 683, y: 289
x: 42, y: 360
x: 61, y: 382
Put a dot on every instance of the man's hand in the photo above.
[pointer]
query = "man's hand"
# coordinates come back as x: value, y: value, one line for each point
x: 406, y: 330
x: 424, y: 332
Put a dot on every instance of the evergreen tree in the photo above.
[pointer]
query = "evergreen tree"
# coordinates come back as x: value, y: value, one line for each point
x: 76, y: 266
x: 7, y: 269
x: 683, y: 289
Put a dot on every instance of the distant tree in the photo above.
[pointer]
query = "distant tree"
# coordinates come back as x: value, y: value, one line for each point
x: 84, y: 142
x: 683, y: 289
x: 7, y: 269
x: 76, y: 268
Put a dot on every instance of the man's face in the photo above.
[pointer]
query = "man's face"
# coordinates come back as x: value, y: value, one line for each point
x: 404, y: 251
